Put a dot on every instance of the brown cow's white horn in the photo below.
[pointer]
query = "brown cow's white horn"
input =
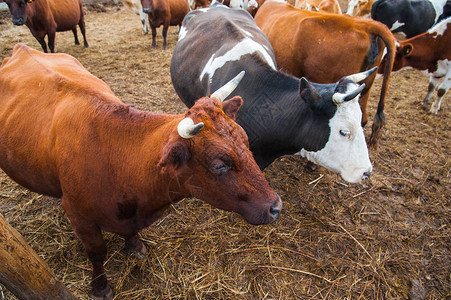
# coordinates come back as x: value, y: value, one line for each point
x: 358, y: 77
x: 339, y: 98
x: 187, y: 129
x: 228, y: 88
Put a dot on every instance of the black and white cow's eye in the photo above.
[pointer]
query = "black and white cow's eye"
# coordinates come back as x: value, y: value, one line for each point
x: 345, y: 132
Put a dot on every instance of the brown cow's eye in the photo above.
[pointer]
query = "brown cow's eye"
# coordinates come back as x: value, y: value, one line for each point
x: 219, y: 168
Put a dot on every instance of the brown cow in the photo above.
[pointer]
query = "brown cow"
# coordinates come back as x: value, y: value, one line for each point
x: 64, y: 134
x: 429, y: 52
x: 330, y: 6
x: 46, y: 17
x: 166, y: 13
x: 325, y: 47
x: 360, y: 8
x: 195, y: 4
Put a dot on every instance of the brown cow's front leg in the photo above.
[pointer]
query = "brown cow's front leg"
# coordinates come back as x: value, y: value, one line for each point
x: 165, y: 34
x: 135, y: 247
x: 74, y: 31
x: 51, y: 37
x: 91, y: 237
x: 154, y: 34
x: 39, y: 36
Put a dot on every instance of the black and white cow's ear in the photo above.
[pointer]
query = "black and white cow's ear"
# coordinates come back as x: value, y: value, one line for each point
x: 308, y: 92
x: 406, y: 50
x: 231, y: 106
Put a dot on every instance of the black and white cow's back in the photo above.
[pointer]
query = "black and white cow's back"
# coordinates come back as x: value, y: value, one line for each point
x: 281, y: 114
x: 408, y: 17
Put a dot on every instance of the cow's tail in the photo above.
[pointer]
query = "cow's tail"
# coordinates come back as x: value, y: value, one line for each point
x: 387, y: 37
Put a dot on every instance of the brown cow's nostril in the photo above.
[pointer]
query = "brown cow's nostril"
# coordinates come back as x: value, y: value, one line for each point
x: 276, y: 208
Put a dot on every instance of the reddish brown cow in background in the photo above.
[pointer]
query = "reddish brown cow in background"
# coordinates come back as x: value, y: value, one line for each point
x: 325, y: 47
x: 360, y: 8
x: 195, y: 4
x: 166, y: 13
x: 330, y: 6
x: 46, y: 17
x: 63, y: 133
x: 429, y: 52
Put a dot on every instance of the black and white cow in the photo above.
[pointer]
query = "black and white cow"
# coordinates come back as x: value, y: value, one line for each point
x: 408, y: 17
x: 281, y: 114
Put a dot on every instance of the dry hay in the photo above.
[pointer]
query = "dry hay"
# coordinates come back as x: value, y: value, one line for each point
x: 388, y: 238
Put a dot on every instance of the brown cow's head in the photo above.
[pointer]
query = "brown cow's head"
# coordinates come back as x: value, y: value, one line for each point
x: 403, y: 57
x: 211, y: 161
x: 146, y: 4
x: 19, y: 10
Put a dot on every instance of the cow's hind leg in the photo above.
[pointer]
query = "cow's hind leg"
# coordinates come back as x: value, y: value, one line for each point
x: 74, y: 31
x: 135, y: 247
x: 433, y: 82
x: 441, y: 92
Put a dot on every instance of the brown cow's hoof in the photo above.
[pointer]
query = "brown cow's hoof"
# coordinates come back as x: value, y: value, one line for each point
x: 106, y: 294
x: 139, y: 254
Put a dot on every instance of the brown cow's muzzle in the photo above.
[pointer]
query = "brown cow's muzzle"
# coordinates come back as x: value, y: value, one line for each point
x: 18, y: 21
x: 276, y: 208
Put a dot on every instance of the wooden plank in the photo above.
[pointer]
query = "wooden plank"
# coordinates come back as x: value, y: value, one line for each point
x: 23, y: 272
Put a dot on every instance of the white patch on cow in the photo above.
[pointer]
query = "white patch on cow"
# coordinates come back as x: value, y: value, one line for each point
x: 351, y: 6
x: 280, y: 1
x: 246, y: 33
x: 440, y: 28
x: 396, y: 25
x: 438, y: 7
x: 253, y: 3
x: 346, y: 155
x: 182, y: 33
x: 245, y: 47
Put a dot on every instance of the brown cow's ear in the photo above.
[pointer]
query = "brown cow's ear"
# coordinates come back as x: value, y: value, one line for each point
x: 174, y: 155
x: 406, y: 50
x: 231, y: 106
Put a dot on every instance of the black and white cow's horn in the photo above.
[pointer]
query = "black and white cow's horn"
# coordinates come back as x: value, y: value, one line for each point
x: 228, y: 88
x: 339, y: 98
x: 358, y: 77
x: 187, y: 129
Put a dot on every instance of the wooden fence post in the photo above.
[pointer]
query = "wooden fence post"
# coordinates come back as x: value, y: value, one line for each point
x: 23, y: 272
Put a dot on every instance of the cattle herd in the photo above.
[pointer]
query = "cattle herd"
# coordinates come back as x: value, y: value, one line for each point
x: 260, y: 80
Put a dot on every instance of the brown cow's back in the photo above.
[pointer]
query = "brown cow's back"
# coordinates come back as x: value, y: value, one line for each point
x: 179, y: 9
x: 66, y: 13
x: 51, y: 90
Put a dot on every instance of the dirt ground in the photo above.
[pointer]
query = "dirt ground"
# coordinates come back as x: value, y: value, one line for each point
x: 388, y: 238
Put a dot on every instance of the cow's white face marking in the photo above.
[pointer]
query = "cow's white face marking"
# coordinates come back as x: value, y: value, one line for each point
x: 440, y: 28
x: 346, y: 151
x: 182, y: 33
x: 245, y: 47
x: 396, y: 25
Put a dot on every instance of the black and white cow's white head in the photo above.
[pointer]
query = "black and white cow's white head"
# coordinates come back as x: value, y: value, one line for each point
x: 345, y: 151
